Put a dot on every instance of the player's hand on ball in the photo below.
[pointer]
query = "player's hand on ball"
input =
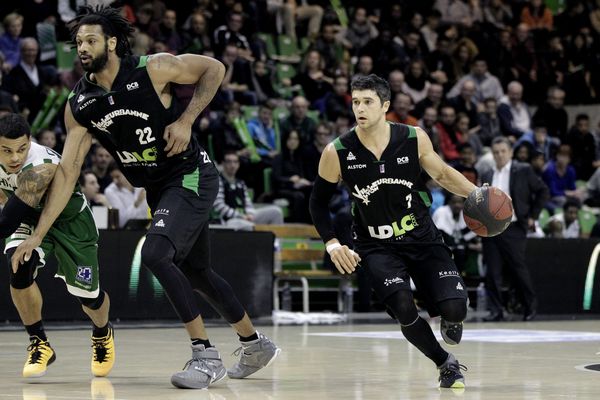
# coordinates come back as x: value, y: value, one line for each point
x: 344, y: 259
x: 177, y: 135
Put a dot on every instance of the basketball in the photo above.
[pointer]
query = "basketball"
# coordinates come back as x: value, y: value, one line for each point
x: 488, y: 211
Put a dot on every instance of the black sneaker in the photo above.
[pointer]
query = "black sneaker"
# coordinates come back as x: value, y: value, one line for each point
x: 451, y: 375
x: 451, y: 333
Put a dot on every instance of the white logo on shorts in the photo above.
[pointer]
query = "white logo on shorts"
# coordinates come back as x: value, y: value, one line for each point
x: 397, y: 279
x: 160, y: 224
x: 459, y: 286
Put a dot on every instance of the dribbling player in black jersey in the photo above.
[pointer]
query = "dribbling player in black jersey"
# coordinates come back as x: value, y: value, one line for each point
x: 127, y: 104
x: 395, y: 238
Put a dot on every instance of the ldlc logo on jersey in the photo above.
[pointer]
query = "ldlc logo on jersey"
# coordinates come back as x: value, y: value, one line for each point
x: 132, y: 86
x: 84, y: 275
x: 147, y: 158
x: 351, y: 157
x: 407, y: 224
x: 402, y: 160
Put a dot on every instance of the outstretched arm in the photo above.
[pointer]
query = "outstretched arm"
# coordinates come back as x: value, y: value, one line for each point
x: 77, y: 145
x: 205, y: 72
x: 449, y: 178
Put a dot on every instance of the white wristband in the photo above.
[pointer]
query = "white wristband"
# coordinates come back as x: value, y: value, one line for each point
x: 332, y: 246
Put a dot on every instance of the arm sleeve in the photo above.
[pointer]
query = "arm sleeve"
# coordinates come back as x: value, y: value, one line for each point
x: 13, y: 213
x: 319, y: 207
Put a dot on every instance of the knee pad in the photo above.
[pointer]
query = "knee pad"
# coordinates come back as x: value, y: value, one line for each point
x: 24, y: 276
x: 157, y: 253
x: 93, y: 304
x: 453, y: 310
x: 402, y: 306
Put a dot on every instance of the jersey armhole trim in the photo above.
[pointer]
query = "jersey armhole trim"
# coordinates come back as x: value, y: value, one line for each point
x: 337, y: 143
x: 143, y: 61
x: 412, y: 132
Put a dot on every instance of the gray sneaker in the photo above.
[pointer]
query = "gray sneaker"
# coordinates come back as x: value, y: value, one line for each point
x: 254, y: 356
x: 205, y: 368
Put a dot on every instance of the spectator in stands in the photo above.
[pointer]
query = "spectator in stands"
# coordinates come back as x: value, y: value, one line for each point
x: 466, y: 163
x: 560, y: 178
x: 454, y: 12
x: 396, y: 80
x: 449, y: 138
x: 537, y: 16
x: 513, y: 113
x: 130, y: 201
x: 528, y: 194
x: 312, y: 77
x: 489, y: 122
x: 29, y: 80
x: 593, y: 190
x: 196, y: 40
x: 360, y: 31
x: 439, y: 62
x: 237, y: 84
x: 142, y: 44
x: 47, y: 138
x: 312, y: 151
x: 435, y: 92
x: 553, y: 114
x: 465, y: 103
x: 225, y: 137
x: 364, y: 65
x: 524, y: 64
x: 10, y: 41
x: 538, y: 162
x: 169, y: 33
x: 401, y: 108
x: 144, y: 21
x: 233, y: 202
x: 412, y: 45
x: 263, y: 133
x: 288, y: 11
x: 498, y: 14
x: 566, y: 224
x: 330, y: 47
x: 461, y: 127
x: 580, y: 56
x: 583, y: 147
x: 299, y: 121
x: 487, y: 85
x: 91, y: 189
x: 69, y: 78
x: 429, y: 31
x: 416, y: 84
x: 101, y: 159
x: 228, y: 34
x: 463, y: 56
x: 289, y: 179
x: 428, y: 124
x: 6, y: 98
x: 263, y: 82
x: 522, y: 152
x: 386, y: 53
x: 340, y: 101
x: 449, y: 220
x: 539, y: 141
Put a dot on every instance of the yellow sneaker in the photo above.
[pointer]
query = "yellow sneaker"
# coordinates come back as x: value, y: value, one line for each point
x: 40, y: 356
x: 103, y: 353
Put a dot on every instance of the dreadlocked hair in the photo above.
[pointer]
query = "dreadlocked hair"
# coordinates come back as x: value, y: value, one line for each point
x: 111, y: 21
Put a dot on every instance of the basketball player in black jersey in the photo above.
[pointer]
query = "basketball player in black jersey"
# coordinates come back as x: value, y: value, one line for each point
x: 126, y: 103
x: 395, y: 238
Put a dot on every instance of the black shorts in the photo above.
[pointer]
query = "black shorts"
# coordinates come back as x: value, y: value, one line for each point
x: 181, y: 214
x: 390, y: 267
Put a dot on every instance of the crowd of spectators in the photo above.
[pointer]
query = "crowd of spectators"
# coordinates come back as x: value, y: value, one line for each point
x: 464, y: 71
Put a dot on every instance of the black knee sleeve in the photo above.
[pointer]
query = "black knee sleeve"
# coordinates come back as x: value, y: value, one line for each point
x: 24, y: 276
x: 93, y: 304
x: 219, y: 294
x: 453, y: 310
x: 402, y: 306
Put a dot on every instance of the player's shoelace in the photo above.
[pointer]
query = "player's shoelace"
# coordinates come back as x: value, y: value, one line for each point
x: 452, y: 369
x: 100, y: 350
x: 35, y: 354
x: 201, y: 367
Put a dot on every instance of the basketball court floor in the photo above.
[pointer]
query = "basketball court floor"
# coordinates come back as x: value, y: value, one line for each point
x: 535, y: 360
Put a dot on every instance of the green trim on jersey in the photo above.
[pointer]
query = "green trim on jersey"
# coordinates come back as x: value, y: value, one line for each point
x: 413, y: 132
x: 143, y: 62
x: 338, y: 144
x: 71, y: 94
x: 425, y: 198
x: 190, y: 181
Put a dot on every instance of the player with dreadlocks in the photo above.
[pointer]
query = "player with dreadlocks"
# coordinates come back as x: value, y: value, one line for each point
x: 127, y: 104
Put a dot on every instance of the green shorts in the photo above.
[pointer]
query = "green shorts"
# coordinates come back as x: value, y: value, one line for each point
x: 74, y: 242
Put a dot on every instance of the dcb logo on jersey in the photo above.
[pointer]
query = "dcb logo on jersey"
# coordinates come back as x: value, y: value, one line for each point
x: 84, y: 274
x: 402, y: 160
x: 132, y: 86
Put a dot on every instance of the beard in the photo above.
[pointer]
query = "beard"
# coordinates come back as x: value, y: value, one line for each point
x: 98, y: 63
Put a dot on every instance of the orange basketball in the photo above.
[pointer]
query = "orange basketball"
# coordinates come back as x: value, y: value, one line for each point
x: 488, y: 211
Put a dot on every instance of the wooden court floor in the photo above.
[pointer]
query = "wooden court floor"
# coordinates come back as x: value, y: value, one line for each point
x: 536, y: 360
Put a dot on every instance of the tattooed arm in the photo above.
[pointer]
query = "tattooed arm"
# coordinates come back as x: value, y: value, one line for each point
x: 77, y: 145
x: 33, y: 183
x: 3, y: 198
x: 205, y: 72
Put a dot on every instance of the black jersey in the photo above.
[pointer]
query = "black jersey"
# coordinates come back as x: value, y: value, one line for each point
x: 129, y: 121
x: 390, y: 202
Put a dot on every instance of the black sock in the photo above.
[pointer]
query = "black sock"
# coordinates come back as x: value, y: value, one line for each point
x: 100, y: 332
x: 421, y: 336
x: 204, y: 342
x: 250, y: 338
x: 36, y: 329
